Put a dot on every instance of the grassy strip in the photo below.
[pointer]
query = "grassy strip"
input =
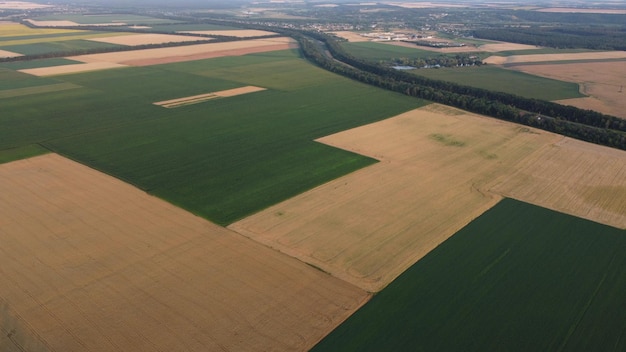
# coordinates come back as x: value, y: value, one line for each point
x: 12, y: 93
x: 518, y: 278
x: 22, y: 65
x: 58, y: 47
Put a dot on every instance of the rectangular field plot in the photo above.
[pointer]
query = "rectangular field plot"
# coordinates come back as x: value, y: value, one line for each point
x: 196, y: 99
x: 436, y: 165
x: 518, y: 278
x: 89, y: 263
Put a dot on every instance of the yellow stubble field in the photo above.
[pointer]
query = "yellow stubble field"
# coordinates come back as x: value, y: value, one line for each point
x: 603, y: 82
x: 89, y: 263
x: 436, y: 167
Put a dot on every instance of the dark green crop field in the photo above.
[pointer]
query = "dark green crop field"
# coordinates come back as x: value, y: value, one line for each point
x: 518, y: 278
x: 378, y: 51
x: 21, y: 65
x: 507, y: 81
x: 222, y: 159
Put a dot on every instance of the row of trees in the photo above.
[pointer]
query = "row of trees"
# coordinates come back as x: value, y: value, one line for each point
x: 595, y: 38
x: 586, y: 125
x: 439, y: 60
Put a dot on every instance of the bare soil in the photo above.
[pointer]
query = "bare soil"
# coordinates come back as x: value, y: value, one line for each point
x: 89, y: 263
x: 173, y: 103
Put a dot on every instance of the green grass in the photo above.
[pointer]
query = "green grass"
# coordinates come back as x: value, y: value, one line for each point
x: 222, y: 159
x: 69, y: 46
x: 377, y: 51
x: 10, y: 80
x: 23, y: 152
x: 190, y: 27
x: 518, y: 278
x: 503, y: 80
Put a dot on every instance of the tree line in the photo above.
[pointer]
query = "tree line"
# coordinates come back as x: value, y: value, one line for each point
x: 570, y: 121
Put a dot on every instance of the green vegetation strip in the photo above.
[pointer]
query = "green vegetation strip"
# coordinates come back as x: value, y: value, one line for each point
x: 518, y: 278
x: 373, y: 51
x: 23, y: 65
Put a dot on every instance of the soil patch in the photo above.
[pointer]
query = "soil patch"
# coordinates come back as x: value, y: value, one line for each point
x: 174, y: 103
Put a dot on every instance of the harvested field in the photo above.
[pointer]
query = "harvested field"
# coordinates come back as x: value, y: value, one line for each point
x: 369, y: 226
x: 243, y: 33
x: 149, y: 57
x: 147, y: 38
x: 174, y: 103
x: 502, y: 46
x: 601, y: 81
x: 69, y: 69
x: 5, y: 53
x: 573, y: 177
x: 89, y: 263
x: 521, y: 59
x: 67, y: 23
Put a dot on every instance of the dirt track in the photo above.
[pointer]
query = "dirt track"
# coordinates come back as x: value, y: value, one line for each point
x: 89, y: 263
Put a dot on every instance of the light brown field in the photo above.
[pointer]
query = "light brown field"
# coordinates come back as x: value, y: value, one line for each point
x: 573, y: 177
x: 421, y: 4
x: 503, y: 46
x: 65, y: 23
x: 371, y: 225
x: 5, y: 53
x: 89, y: 263
x: 12, y: 29
x: 240, y: 33
x: 148, y: 57
x: 147, y: 38
x: 174, y: 103
x: 601, y: 81
x: 69, y: 69
x: 519, y: 59
x: 578, y: 10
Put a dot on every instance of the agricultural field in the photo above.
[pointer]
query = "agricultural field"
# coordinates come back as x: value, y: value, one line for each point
x: 602, y: 82
x: 147, y: 38
x: 369, y: 226
x: 244, y: 152
x: 502, y: 80
x: 51, y: 47
x: 90, y: 263
x: 573, y: 177
x: 374, y: 51
x: 241, y: 33
x: 518, y: 278
x: 557, y: 58
x: 104, y: 19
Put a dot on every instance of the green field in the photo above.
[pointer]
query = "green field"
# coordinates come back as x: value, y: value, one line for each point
x: 64, y: 46
x: 23, y: 152
x: 518, y: 278
x: 222, y: 159
x: 22, y: 65
x: 377, y: 51
x: 503, y: 80
x: 182, y: 27
x: 10, y: 80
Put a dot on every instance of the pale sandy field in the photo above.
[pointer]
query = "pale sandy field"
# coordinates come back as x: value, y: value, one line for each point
x: 89, y: 263
x: 573, y: 177
x: 577, y: 10
x: 368, y: 227
x: 601, y: 81
x: 69, y: 69
x: 503, y: 46
x: 195, y: 99
x: 519, y: 59
x: 65, y: 23
x: 241, y: 33
x: 147, y: 38
x: 5, y: 53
